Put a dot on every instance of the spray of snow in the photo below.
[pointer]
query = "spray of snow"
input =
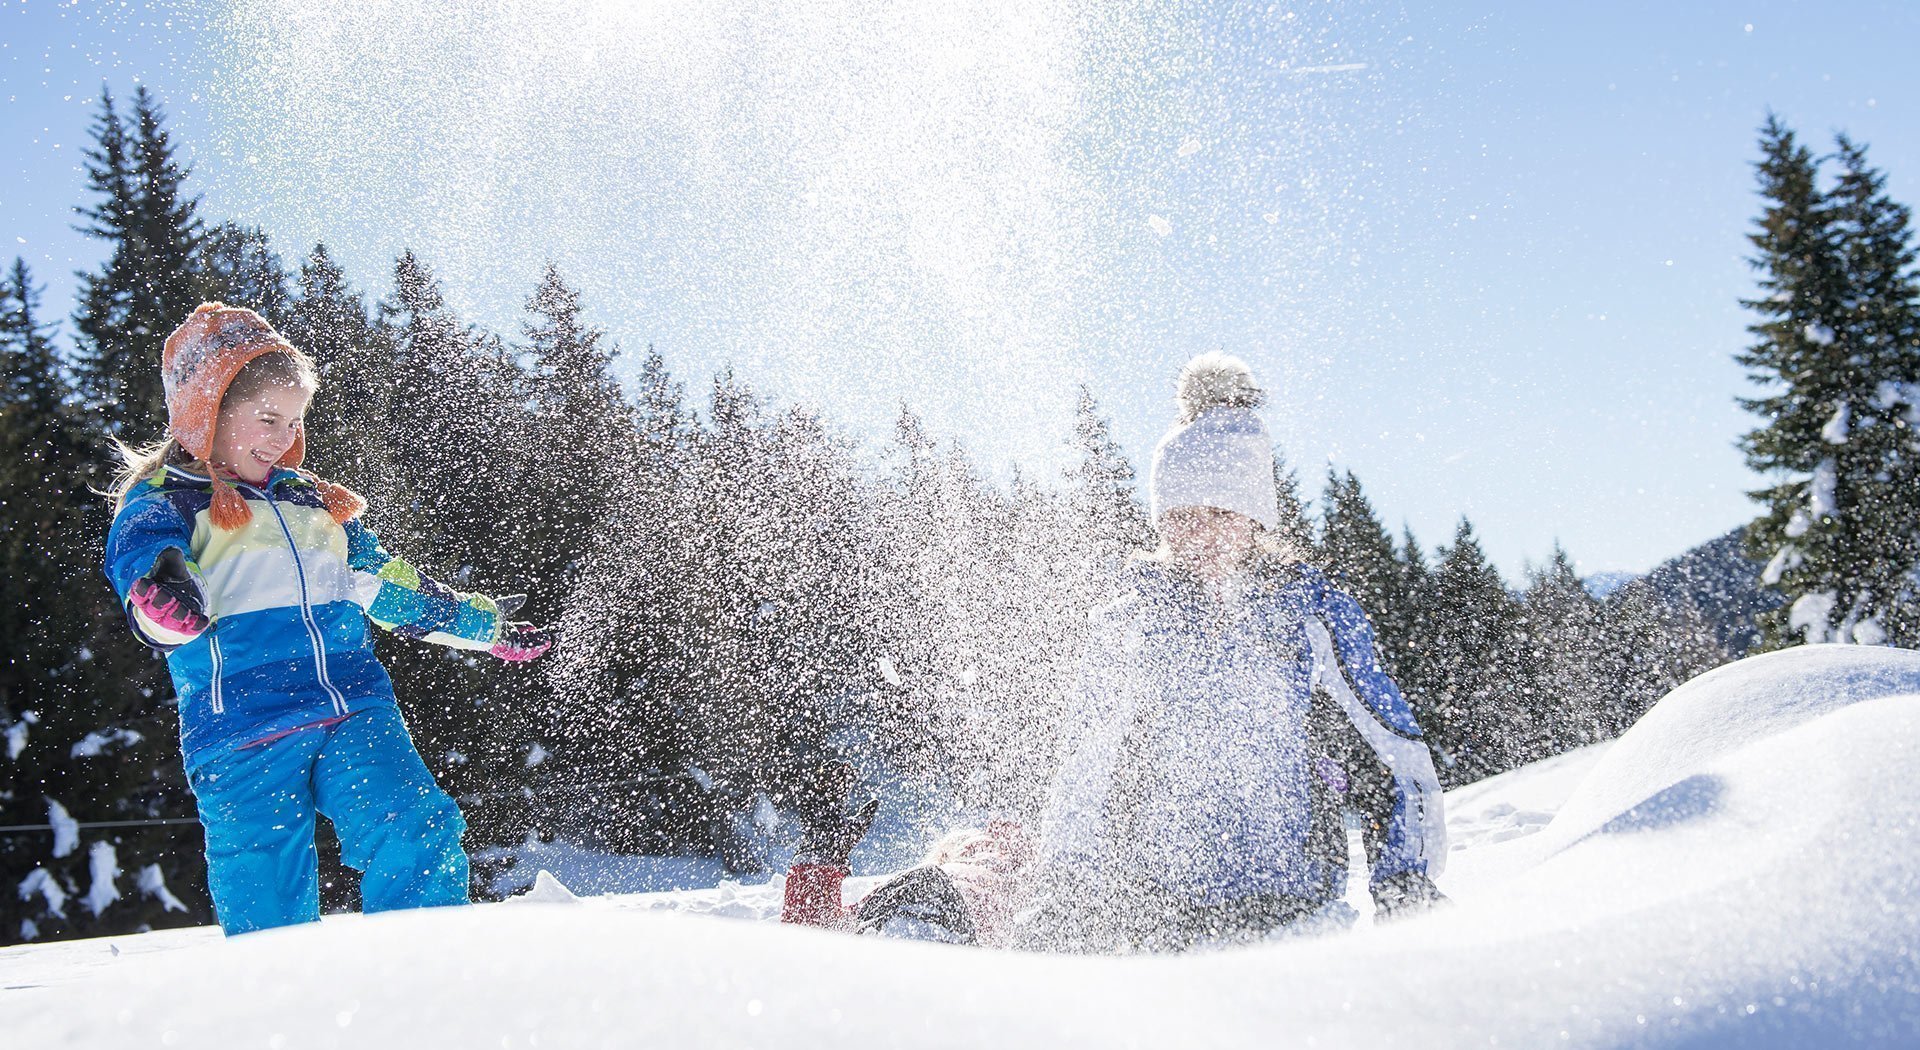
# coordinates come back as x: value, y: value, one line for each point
x: 153, y: 883
x: 103, y: 864
x: 1818, y: 334
x: 536, y: 755
x: 66, y: 830
x: 16, y: 738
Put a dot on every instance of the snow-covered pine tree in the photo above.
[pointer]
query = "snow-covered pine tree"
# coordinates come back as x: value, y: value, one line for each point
x: 1835, y: 357
x: 1882, y: 434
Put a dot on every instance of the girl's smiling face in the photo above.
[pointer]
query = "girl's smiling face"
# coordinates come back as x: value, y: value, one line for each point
x: 256, y: 430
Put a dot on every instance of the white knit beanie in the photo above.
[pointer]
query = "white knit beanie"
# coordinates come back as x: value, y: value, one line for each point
x: 1219, y: 454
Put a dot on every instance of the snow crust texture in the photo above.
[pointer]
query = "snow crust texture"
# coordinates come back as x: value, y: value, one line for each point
x: 1740, y: 869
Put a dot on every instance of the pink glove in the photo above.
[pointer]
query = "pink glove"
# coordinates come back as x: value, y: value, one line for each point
x: 168, y: 597
x: 520, y: 642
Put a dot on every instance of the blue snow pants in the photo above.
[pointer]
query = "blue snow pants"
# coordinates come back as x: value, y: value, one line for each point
x: 395, y: 824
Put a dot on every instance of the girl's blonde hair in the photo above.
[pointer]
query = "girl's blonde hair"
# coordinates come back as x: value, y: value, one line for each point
x: 139, y: 463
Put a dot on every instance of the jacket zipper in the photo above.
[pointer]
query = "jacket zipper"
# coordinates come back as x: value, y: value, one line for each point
x: 306, y: 608
x: 213, y: 638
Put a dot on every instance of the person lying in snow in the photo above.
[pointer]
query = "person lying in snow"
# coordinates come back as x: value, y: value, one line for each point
x: 1232, y: 710
x: 964, y: 892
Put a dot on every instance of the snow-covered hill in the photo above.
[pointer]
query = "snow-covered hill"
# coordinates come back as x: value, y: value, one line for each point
x: 1740, y: 869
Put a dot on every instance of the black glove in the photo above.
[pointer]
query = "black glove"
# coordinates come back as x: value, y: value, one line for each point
x: 830, y: 823
x: 168, y: 596
x: 1408, y: 893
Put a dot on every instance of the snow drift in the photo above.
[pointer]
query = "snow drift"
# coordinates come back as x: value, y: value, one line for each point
x: 1740, y: 869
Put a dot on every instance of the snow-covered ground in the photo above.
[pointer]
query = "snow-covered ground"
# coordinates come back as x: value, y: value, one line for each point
x: 1741, y: 869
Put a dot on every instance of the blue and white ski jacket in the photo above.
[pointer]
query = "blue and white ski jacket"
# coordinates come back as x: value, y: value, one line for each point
x: 289, y: 595
x: 1218, y: 748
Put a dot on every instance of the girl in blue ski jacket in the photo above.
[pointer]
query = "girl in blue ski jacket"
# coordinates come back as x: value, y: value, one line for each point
x: 257, y: 580
x: 1232, y: 711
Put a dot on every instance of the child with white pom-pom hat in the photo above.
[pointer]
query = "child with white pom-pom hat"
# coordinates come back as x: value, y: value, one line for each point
x: 1233, y: 709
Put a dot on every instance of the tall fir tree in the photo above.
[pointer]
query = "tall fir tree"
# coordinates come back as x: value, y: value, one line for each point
x: 1475, y: 709
x: 1358, y: 553
x: 346, y: 423
x: 1294, y: 528
x: 1836, y: 357
x: 1101, y: 484
x: 1880, y: 431
x: 237, y: 265
x: 150, y: 282
x: 1565, y: 630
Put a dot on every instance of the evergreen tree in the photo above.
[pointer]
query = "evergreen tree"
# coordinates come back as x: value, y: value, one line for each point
x: 149, y: 283
x: 1836, y: 355
x: 80, y: 735
x: 1359, y: 556
x: 1294, y: 529
x: 581, y: 418
x: 1653, y: 647
x: 1475, y: 716
x: 1880, y: 433
x: 347, y: 437
x: 1566, y: 635
x: 237, y: 266
x: 1100, y: 484
x: 1411, y: 668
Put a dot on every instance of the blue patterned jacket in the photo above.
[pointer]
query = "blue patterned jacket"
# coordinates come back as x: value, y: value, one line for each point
x: 289, y: 594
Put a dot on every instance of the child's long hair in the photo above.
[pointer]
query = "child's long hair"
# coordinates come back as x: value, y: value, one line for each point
x: 138, y: 463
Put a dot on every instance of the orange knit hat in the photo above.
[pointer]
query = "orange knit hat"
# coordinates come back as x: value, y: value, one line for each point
x: 200, y: 361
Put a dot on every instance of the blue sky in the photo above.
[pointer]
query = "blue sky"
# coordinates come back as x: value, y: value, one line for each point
x: 1487, y: 256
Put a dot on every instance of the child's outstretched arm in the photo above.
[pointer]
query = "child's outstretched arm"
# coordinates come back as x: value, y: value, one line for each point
x: 832, y: 825
x: 151, y: 568
x: 400, y: 599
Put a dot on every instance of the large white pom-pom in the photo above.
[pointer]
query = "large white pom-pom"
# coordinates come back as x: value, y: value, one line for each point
x: 1216, y: 380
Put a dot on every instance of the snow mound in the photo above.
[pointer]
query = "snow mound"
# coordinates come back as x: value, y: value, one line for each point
x: 1740, y: 870
x: 1724, y: 710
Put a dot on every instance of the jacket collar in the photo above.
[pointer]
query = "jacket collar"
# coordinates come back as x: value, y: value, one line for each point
x: 196, y: 479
